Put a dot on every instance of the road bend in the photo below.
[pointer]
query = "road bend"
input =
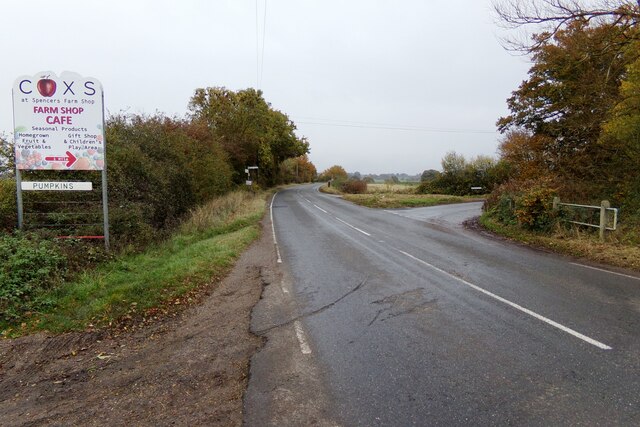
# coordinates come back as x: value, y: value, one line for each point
x: 404, y: 317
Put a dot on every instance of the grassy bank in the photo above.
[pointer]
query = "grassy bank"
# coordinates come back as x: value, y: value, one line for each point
x: 398, y: 200
x: 138, y: 285
x: 581, y: 244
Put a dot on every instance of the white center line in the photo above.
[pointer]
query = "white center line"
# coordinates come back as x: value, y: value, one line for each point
x: 273, y: 229
x: 606, y: 271
x: 355, y: 228
x: 514, y: 305
x: 320, y: 208
x: 302, y: 338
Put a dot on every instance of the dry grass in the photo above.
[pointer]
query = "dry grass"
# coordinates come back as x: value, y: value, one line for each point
x: 223, y: 210
x: 390, y: 196
x: 391, y: 188
x: 330, y: 190
x: 575, y: 242
x: 399, y: 200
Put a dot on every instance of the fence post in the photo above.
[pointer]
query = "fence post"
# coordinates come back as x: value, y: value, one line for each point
x: 603, y: 218
x: 556, y: 203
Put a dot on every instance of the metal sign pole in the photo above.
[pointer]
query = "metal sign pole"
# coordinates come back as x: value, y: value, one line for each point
x: 19, y: 198
x: 18, y: 174
x: 105, y: 199
x: 105, y: 207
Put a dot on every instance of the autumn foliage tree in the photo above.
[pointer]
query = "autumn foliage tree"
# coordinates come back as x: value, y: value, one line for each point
x: 621, y: 134
x: 573, y: 124
x: 251, y: 132
x: 555, y: 127
x: 298, y: 169
x: 336, y: 172
x: 571, y: 88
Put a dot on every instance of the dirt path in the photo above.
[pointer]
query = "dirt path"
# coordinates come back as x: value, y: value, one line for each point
x: 187, y: 370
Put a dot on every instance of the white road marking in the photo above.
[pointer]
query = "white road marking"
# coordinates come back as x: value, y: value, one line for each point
x: 273, y: 230
x: 355, y: 228
x: 320, y: 208
x: 606, y: 271
x: 514, y: 305
x: 283, y: 286
x: 302, y: 338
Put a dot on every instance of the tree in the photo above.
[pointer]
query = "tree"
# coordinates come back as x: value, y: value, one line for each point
x: 571, y: 88
x: 622, y: 136
x: 298, y: 169
x: 429, y: 175
x: 525, y: 153
x: 250, y: 131
x: 334, y: 172
x: 453, y: 163
x: 551, y: 16
x: 459, y: 175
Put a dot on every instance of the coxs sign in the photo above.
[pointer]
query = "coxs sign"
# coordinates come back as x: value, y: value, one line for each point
x: 58, y: 122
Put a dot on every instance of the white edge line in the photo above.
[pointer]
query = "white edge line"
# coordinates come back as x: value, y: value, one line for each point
x: 273, y: 229
x: 320, y: 208
x: 302, y: 339
x: 606, y: 271
x: 514, y: 305
x: 355, y: 228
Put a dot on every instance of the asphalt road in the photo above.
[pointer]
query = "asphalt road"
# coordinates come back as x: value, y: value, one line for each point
x: 404, y: 317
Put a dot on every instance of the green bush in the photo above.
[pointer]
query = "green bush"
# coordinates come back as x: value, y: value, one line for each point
x: 28, y: 266
x: 159, y: 169
x: 8, y: 209
x: 534, y: 208
x: 528, y: 204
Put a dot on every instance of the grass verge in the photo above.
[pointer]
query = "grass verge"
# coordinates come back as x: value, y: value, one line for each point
x: 201, y: 252
x: 399, y: 200
x: 397, y: 196
x: 571, y: 242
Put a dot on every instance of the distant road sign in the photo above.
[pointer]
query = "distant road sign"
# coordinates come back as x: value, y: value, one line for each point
x: 56, y: 186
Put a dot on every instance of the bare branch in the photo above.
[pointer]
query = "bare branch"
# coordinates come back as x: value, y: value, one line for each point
x: 547, y: 17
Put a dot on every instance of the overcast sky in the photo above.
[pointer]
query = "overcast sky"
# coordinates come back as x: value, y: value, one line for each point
x: 376, y: 86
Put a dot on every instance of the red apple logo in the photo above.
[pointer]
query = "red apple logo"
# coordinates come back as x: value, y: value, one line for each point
x: 46, y: 87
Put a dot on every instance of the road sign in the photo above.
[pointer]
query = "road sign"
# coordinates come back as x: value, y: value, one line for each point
x: 56, y: 186
x: 58, y: 122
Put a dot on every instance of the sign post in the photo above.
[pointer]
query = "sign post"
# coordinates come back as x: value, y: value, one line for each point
x: 59, y: 125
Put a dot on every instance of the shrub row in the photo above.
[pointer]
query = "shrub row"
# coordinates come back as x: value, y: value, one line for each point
x: 28, y: 267
x: 528, y: 204
x: 352, y: 186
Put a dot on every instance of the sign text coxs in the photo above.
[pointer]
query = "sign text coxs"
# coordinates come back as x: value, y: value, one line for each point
x: 58, y: 122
